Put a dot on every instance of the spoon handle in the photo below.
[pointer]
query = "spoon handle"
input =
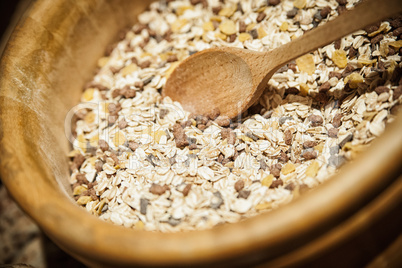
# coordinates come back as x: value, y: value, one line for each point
x: 366, y: 13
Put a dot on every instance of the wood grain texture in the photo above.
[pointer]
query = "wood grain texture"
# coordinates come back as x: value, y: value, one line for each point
x: 233, y: 79
x: 49, y: 58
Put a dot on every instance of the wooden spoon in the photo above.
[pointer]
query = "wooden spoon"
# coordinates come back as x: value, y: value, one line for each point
x: 233, y: 79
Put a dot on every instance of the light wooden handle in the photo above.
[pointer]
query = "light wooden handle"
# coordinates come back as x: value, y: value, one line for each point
x: 366, y: 13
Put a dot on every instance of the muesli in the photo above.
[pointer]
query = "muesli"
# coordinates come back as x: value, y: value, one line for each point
x: 143, y: 162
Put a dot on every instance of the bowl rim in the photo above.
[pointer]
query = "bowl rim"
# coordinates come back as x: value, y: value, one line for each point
x: 278, y: 231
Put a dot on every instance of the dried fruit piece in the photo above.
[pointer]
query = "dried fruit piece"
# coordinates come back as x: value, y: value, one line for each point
x: 336, y: 122
x: 288, y: 137
x: 223, y: 120
x: 261, y: 32
x: 288, y: 168
x: 292, y: 13
x: 267, y: 181
x: 276, y: 183
x: 339, y: 58
x: 245, y: 138
x: 244, y: 36
x: 228, y: 134
x: 308, y: 154
x: 306, y: 64
x: 83, y: 200
x: 102, y: 207
x: 283, y: 157
x: 397, y: 93
x: 318, y: 148
x: 79, y: 190
x: 88, y: 94
x: 221, y: 36
x: 309, y: 144
x: 250, y: 27
x: 239, y: 185
x: 180, y: 136
x: 158, y: 135
x: 366, y: 62
x: 333, y: 133
x: 377, y: 39
x: 158, y: 189
x: 382, y: 27
x: 300, y: 4
x: 244, y: 194
x: 284, y: 27
x: 324, y: 87
x: 128, y: 69
x: 274, y: 2
x: 90, y: 118
x: 228, y: 27
x: 139, y: 225
x: 354, y: 79
x: 325, y: 12
x: 143, y: 205
x: 128, y: 93
x: 228, y: 11
x: 181, y: 9
x: 119, y: 138
x: 82, y: 142
x: 208, y: 26
x: 304, y: 89
x: 276, y: 170
x: 103, y: 61
x: 93, y: 141
x: 261, y: 16
x: 312, y: 169
x: 186, y: 190
x: 315, y: 120
x: 263, y: 206
x: 103, y: 145
x: 216, y: 9
x: 396, y: 44
x: 263, y: 165
x: 177, y: 25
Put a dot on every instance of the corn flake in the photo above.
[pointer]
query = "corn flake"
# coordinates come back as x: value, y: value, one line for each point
x: 228, y: 27
x: 300, y: 4
x: 306, y: 64
x: 244, y: 36
x: 208, y: 26
x: 284, y: 27
x: 288, y: 168
x: 354, y: 79
x: 228, y: 11
x: 267, y: 181
x: 312, y: 169
x: 339, y: 58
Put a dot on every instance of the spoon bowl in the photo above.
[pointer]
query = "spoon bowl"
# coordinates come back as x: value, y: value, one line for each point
x: 191, y: 82
x: 232, y: 79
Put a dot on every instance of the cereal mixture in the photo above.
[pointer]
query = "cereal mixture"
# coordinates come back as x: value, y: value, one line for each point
x: 143, y: 162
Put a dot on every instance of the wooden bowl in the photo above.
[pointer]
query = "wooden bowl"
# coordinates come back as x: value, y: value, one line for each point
x: 50, y: 56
